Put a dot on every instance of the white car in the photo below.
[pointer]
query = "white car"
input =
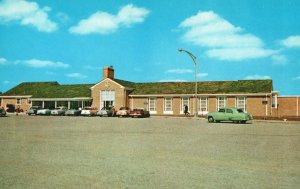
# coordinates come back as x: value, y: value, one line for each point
x: 43, y: 112
x: 59, y: 111
x: 123, y: 112
x: 89, y: 111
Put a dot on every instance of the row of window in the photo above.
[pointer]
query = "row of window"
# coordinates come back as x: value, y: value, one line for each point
x: 19, y: 101
x: 202, y: 104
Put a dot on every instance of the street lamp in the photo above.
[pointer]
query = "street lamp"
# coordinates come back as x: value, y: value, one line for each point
x: 194, y: 58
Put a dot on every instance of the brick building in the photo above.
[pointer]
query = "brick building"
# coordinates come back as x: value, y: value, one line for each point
x: 160, y: 98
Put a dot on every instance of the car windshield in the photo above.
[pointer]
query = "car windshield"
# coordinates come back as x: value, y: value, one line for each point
x: 240, y: 111
x: 222, y: 110
x: 124, y: 108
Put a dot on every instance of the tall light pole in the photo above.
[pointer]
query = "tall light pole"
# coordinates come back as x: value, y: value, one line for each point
x: 194, y: 58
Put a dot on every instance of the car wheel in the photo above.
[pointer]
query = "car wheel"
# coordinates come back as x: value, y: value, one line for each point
x: 211, y: 119
x: 243, y: 122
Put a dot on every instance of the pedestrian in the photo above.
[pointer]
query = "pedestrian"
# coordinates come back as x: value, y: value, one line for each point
x: 186, y: 110
x: 113, y: 110
x: 18, y: 110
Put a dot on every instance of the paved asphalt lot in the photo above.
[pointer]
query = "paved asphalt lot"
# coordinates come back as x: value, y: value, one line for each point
x: 93, y: 152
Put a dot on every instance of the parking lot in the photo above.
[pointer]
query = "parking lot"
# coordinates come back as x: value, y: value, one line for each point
x: 156, y: 152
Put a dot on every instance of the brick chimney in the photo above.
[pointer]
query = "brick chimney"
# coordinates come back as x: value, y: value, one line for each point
x: 108, y: 72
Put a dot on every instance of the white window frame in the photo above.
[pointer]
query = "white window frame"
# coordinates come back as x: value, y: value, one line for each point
x: 168, y: 105
x: 203, y: 108
x: 28, y: 101
x: 241, y: 103
x: 274, y: 99
x: 107, y: 95
x: 152, y: 105
x: 221, y: 102
x: 19, y: 101
x: 183, y: 101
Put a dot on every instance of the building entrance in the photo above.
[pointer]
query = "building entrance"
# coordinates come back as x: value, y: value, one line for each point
x: 107, y: 98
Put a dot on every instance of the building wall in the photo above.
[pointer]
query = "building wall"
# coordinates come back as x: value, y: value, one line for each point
x: 254, y: 104
x: 288, y: 106
x: 138, y: 102
x: 107, y: 84
x: 23, y: 105
x: 257, y: 108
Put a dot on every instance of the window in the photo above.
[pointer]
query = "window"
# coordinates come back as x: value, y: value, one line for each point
x: 203, y: 107
x: 221, y: 102
x: 19, y: 101
x: 152, y: 105
x: 241, y: 103
x: 107, y: 98
x: 168, y: 106
x: 28, y: 101
x: 229, y: 111
x: 184, y: 101
x: 274, y: 100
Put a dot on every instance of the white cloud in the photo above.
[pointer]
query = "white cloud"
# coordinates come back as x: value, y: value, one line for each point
x: 223, y: 40
x: 105, y: 23
x: 172, y: 80
x: 279, y: 59
x: 5, y: 82
x: 2, y: 61
x: 76, y: 75
x: 297, y: 78
x: 130, y: 14
x: 35, y: 63
x: 256, y: 76
x: 179, y: 71
x: 27, y: 13
x: 291, y: 42
x: 202, y: 75
x: 99, y: 22
x: 238, y: 54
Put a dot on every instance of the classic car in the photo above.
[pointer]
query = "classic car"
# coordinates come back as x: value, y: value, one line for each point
x: 123, y: 112
x: 105, y: 112
x: 2, y: 112
x: 44, y: 111
x: 59, y: 111
x: 229, y: 114
x: 139, y: 112
x: 33, y: 110
x: 73, y: 112
x: 89, y: 111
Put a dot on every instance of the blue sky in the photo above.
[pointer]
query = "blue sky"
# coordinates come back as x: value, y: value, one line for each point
x: 70, y: 41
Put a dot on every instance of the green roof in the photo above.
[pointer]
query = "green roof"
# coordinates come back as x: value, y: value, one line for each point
x: 50, y: 90
x: 55, y: 90
x: 207, y: 87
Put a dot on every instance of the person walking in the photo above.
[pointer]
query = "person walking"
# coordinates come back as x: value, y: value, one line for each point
x: 186, y: 110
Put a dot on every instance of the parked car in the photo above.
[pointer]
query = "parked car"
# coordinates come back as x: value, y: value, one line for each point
x: 44, y: 111
x: 2, y: 112
x: 33, y: 110
x: 10, y: 108
x: 89, y: 111
x: 59, y: 111
x: 123, y: 112
x: 229, y: 114
x: 105, y: 112
x: 139, y: 112
x: 73, y: 112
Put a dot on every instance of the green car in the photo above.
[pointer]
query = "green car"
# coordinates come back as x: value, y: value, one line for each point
x: 229, y: 114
